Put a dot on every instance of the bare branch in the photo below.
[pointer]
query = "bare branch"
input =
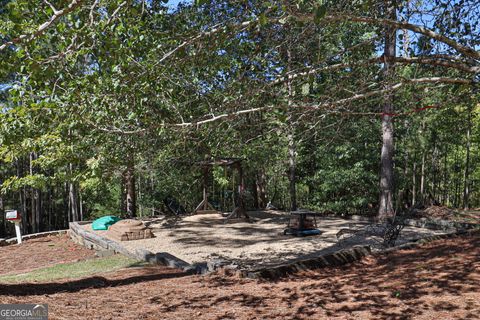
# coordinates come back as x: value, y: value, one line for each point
x: 222, y: 116
x: 214, y: 30
x: 434, y: 80
x: 322, y: 106
x: 438, y: 62
x: 115, y: 13
x: 394, y: 87
x: 467, y: 51
x: 92, y: 8
x: 51, y: 6
x: 416, y: 60
x: 43, y: 27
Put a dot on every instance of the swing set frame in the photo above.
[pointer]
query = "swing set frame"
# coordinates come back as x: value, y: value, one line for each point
x: 205, y: 206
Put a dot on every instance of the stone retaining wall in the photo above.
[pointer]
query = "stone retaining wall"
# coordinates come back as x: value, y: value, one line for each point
x: 338, y: 258
x: 6, y: 242
x: 97, y: 242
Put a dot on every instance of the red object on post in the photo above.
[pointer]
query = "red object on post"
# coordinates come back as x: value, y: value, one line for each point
x: 13, y: 215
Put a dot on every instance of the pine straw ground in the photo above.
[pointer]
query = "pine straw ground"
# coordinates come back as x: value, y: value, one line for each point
x: 440, y: 280
x: 41, y: 252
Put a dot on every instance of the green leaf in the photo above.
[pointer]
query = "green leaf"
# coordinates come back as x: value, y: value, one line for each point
x: 132, y: 115
x: 201, y: 2
x: 263, y: 19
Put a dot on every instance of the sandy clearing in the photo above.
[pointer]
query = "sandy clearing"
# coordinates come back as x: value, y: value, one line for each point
x: 200, y: 238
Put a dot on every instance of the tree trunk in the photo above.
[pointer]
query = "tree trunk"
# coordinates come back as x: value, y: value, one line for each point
x: 131, y: 200
x: 139, y: 200
x: 406, y: 190
x: 292, y: 172
x: 255, y: 194
x: 123, y: 194
x: 433, y: 183
x: 72, y: 194
x: 292, y: 177
x: 422, y: 179
x: 35, y: 199
x: 466, y: 173
x: 414, y: 183
x: 406, y: 35
x: 23, y: 198
x: 81, y: 204
x: 445, y: 175
x: 50, y: 209
x: 261, y: 189
x: 386, y: 172
x: 457, y: 179
x: 3, y: 229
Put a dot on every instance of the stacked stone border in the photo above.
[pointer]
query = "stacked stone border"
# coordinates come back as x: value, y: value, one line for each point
x: 99, y: 243
x: 6, y: 242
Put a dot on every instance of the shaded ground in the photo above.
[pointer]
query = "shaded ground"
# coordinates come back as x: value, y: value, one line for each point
x: 71, y: 270
x: 445, y: 213
x: 440, y: 280
x: 41, y: 252
x: 200, y: 238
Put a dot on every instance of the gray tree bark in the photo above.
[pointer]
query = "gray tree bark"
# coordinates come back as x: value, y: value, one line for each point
x: 386, y: 171
x: 422, y: 179
x: 262, y: 196
x: 292, y: 152
x: 130, y: 192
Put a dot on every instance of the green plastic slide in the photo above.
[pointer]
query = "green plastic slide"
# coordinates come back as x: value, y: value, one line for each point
x: 104, y: 222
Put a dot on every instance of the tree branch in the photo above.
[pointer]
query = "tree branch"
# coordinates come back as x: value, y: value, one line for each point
x: 438, y: 62
x: 467, y: 51
x: 394, y: 87
x: 110, y: 19
x: 202, y: 35
x: 355, y: 97
x: 416, y: 60
x: 43, y: 27
x: 222, y: 116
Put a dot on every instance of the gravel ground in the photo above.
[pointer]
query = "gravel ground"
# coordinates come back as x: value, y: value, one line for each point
x: 200, y: 238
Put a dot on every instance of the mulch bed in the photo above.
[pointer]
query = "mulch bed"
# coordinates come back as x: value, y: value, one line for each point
x: 445, y: 213
x: 41, y: 252
x: 439, y: 280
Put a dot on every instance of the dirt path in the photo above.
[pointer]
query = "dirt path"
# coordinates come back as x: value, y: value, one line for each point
x: 40, y: 252
x: 438, y: 281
